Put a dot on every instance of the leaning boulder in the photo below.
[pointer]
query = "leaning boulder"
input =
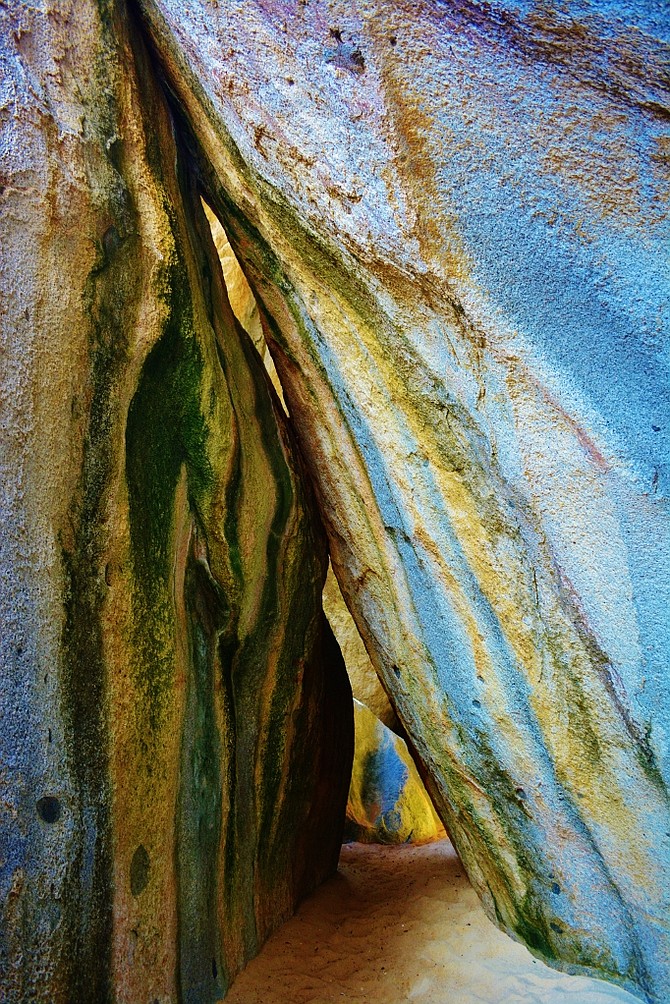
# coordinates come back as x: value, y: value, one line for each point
x: 452, y: 216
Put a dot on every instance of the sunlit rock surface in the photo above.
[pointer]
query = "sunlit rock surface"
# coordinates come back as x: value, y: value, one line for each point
x: 362, y: 675
x: 176, y: 720
x: 454, y: 219
x: 241, y: 298
x: 388, y: 803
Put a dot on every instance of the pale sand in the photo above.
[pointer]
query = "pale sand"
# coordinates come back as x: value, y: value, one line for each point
x: 402, y: 924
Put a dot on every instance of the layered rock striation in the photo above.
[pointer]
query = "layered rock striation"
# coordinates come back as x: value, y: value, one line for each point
x: 177, y: 725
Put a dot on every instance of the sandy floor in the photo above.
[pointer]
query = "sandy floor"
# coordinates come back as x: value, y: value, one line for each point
x: 402, y: 924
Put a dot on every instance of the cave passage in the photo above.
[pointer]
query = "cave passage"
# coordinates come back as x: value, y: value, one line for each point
x: 399, y: 925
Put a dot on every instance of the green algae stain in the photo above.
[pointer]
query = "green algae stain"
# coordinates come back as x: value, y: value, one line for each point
x: 199, y: 820
x: 110, y: 298
x: 165, y: 430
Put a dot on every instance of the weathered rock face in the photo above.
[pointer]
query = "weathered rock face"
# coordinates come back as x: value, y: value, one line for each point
x: 177, y: 731
x: 452, y: 216
x: 388, y: 803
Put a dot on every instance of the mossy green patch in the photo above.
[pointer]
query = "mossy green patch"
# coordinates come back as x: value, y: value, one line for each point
x: 166, y: 429
x: 201, y: 974
x: 111, y: 297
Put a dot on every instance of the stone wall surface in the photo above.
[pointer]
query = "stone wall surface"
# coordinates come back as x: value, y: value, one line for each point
x: 453, y: 216
x: 176, y: 720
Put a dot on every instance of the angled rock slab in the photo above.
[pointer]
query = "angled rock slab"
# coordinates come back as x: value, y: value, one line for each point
x: 453, y: 218
x: 176, y: 719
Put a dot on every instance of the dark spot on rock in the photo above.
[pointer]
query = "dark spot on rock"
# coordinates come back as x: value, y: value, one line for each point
x: 556, y: 927
x: 108, y: 574
x: 214, y: 969
x: 49, y: 809
x: 139, y: 871
x: 396, y: 670
x: 290, y: 81
x: 477, y: 704
x: 49, y: 735
x: 656, y: 428
x: 393, y: 40
x: 346, y: 55
x: 555, y: 888
x: 111, y: 240
x: 521, y: 794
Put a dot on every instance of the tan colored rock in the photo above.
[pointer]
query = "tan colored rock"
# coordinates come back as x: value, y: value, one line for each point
x: 239, y: 292
x: 362, y: 675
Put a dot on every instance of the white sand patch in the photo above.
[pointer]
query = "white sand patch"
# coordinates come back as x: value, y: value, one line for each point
x: 402, y: 924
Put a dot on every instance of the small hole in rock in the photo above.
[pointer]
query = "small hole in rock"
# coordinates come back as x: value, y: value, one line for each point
x: 336, y: 34
x: 214, y: 969
x: 555, y: 888
x: 49, y: 809
x: 393, y: 40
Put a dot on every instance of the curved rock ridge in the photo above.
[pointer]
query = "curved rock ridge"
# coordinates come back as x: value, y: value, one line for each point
x: 453, y: 218
x: 388, y: 803
x: 177, y: 726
